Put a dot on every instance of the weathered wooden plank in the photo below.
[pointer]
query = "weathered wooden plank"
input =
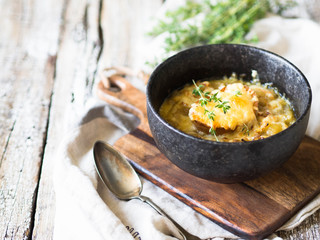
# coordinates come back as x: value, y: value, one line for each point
x: 79, y: 51
x: 28, y: 44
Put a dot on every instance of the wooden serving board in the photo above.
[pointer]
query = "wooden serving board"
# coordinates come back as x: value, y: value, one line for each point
x: 253, y: 209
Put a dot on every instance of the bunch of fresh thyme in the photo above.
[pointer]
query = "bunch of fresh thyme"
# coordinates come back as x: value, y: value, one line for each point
x: 206, y: 97
x: 223, y: 21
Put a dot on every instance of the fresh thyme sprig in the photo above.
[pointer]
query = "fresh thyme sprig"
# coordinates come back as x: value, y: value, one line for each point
x: 211, y: 22
x: 206, y: 97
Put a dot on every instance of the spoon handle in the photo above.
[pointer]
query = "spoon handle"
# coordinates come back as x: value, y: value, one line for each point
x: 186, y: 235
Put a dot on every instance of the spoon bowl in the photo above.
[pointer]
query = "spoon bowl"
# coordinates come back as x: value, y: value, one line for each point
x: 119, y: 176
x: 116, y: 172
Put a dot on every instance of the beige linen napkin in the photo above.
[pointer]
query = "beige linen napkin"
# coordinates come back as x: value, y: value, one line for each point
x: 85, y: 209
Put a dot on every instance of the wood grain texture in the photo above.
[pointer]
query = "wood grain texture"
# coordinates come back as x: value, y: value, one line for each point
x: 79, y: 51
x: 301, y: 173
x: 253, y: 209
x: 26, y: 81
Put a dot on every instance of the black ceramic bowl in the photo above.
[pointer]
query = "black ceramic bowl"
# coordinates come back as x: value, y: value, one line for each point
x: 223, y: 161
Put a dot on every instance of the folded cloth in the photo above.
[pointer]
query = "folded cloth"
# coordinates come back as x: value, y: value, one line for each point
x: 85, y: 209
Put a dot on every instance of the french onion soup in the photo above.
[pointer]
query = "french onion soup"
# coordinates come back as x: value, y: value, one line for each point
x: 228, y: 109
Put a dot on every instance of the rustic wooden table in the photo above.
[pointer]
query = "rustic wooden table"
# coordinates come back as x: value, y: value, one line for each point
x: 50, y: 53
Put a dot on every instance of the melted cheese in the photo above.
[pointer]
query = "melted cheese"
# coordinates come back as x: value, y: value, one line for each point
x: 242, y: 103
x: 256, y: 111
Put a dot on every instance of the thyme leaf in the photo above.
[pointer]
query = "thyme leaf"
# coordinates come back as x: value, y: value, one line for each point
x: 213, y: 132
x: 238, y: 93
x: 224, y: 106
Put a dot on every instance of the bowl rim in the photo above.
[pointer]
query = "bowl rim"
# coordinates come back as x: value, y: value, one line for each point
x: 201, y: 140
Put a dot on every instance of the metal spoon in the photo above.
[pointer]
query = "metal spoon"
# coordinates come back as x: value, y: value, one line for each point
x: 119, y: 176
